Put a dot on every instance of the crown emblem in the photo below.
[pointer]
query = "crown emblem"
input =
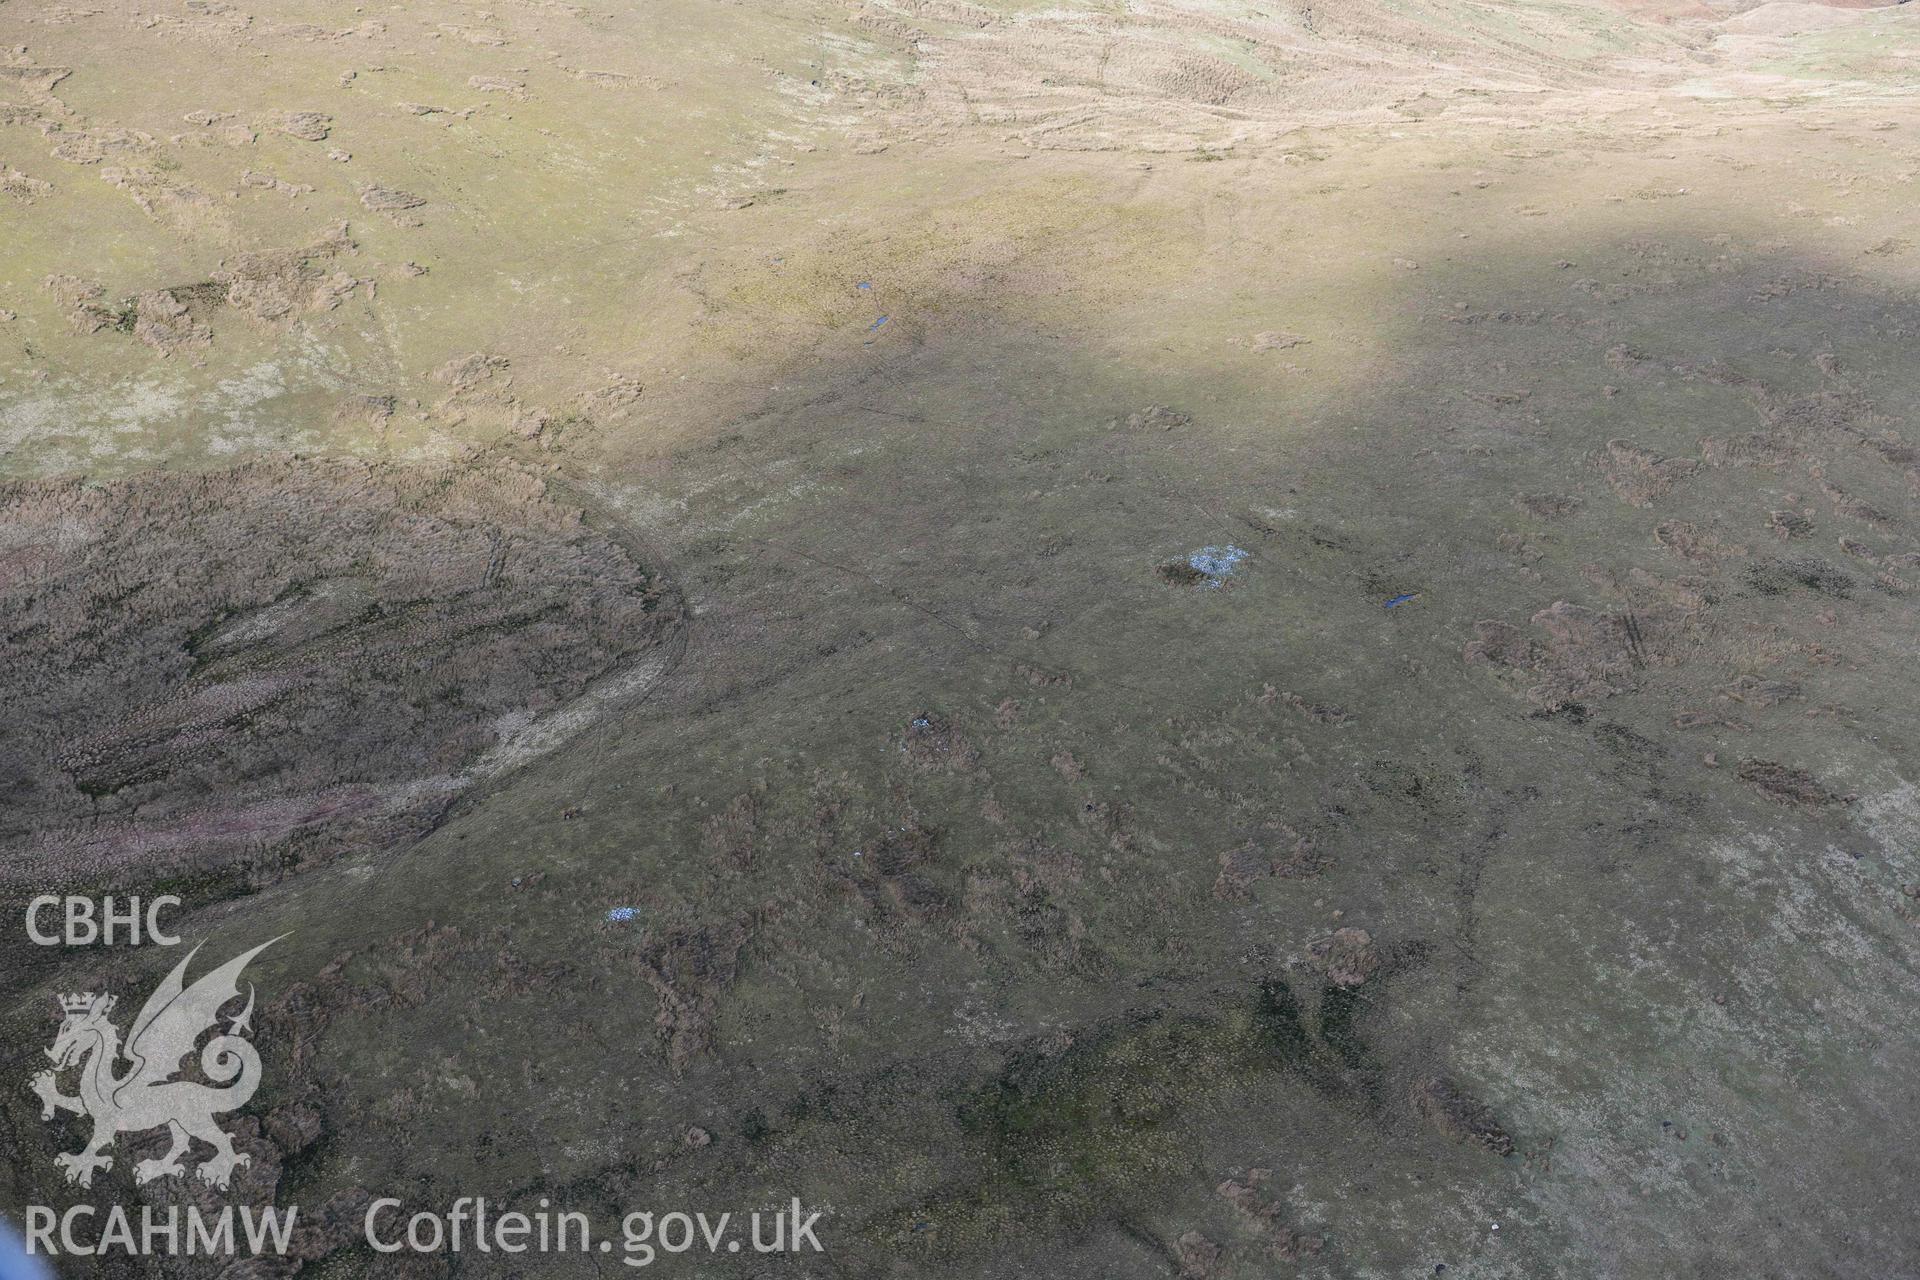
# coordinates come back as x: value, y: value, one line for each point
x: 78, y: 1002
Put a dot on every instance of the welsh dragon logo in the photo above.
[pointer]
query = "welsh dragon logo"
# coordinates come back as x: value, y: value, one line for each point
x: 146, y: 1095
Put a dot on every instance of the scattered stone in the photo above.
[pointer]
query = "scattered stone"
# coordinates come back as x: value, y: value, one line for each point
x: 1245, y: 1196
x: 1778, y: 577
x: 1318, y: 712
x: 1199, y: 1256
x: 609, y: 79
x: 381, y: 199
x: 275, y: 284
x: 1752, y: 450
x: 610, y: 401
x: 931, y: 742
x: 1272, y: 340
x: 488, y: 37
x: 1179, y: 573
x: 463, y: 373
x: 1214, y: 565
x: 1460, y: 1116
x: 1157, y: 417
x: 1686, y: 541
x: 364, y: 411
x: 295, y: 1127
x: 689, y: 967
x: 1759, y: 693
x: 1845, y: 504
x: 1586, y: 654
x: 1789, y: 524
x: 267, y: 182
x: 1288, y: 1245
x: 497, y: 84
x: 308, y: 126
x: 21, y: 186
x: 1639, y: 475
x: 1502, y: 644
x: 1859, y: 550
x: 1349, y: 957
x: 83, y: 300
x: 531, y: 424
x: 1688, y: 720
x: 1239, y: 869
x: 1786, y: 785
x: 164, y: 321
x: 1547, y: 506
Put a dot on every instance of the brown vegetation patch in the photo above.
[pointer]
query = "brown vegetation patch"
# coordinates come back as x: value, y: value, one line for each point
x: 242, y: 672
